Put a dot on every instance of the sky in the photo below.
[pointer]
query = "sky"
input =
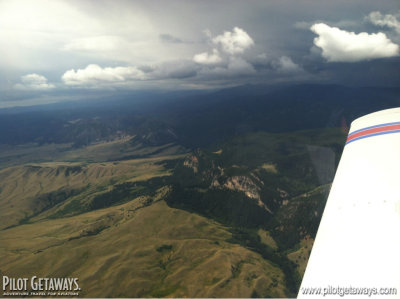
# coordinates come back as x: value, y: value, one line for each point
x: 73, y: 50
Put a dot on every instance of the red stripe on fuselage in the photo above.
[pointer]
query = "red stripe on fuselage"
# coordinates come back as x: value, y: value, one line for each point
x: 373, y: 131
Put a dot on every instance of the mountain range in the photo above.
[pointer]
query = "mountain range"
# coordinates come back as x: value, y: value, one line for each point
x: 191, y: 194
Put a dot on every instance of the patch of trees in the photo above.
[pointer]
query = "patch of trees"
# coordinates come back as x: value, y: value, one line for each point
x: 54, y: 198
x: 120, y: 194
x: 297, y: 220
x: 164, y: 248
x: 170, y: 164
x: 125, y: 192
x: 130, y: 157
x: 229, y: 207
x: 74, y: 207
x: 72, y: 169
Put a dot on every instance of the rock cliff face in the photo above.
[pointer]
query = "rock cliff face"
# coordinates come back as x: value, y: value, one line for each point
x: 248, y: 184
x: 283, y: 193
x: 243, y: 183
x: 215, y: 183
x: 192, y: 162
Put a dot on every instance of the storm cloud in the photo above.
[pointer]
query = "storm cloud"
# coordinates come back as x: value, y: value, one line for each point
x: 130, y: 45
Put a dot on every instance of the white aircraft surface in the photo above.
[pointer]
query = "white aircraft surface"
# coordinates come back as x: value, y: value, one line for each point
x: 356, y: 252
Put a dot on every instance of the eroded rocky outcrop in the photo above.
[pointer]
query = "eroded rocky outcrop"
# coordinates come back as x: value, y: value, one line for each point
x: 192, y: 162
x: 243, y: 183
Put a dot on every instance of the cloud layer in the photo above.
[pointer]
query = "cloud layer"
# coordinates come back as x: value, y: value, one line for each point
x: 343, y: 46
x: 145, y: 44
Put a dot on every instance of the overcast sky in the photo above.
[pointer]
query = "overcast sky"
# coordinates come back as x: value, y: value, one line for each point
x: 69, y: 50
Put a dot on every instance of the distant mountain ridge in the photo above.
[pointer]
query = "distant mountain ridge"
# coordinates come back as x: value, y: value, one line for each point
x: 199, y: 120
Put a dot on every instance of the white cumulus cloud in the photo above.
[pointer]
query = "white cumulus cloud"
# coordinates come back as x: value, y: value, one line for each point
x: 234, y: 42
x: 34, y: 82
x: 343, y: 46
x: 205, y: 58
x: 94, y: 74
x: 388, y: 20
x: 33, y: 79
x: 225, y: 59
x: 286, y: 65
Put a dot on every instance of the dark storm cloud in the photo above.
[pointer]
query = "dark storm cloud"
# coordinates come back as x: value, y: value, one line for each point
x: 378, y: 72
x: 182, y: 73
x: 140, y: 44
x: 145, y: 68
x: 178, y: 69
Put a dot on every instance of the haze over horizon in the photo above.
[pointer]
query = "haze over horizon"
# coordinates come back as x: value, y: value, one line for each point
x: 70, y: 50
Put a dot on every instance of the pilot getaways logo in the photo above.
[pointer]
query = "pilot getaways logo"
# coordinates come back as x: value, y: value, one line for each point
x: 39, y: 286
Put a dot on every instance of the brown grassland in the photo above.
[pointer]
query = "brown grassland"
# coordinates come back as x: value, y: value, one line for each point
x: 122, y: 260
x: 302, y: 255
x: 129, y: 250
x: 267, y: 239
